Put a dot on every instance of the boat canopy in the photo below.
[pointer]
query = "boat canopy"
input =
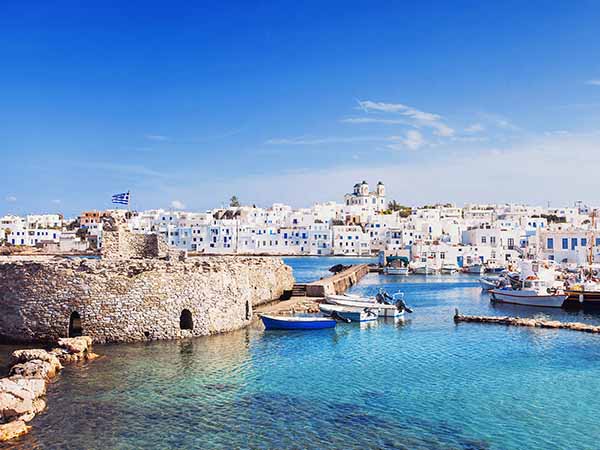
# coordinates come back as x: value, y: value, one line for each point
x: 402, y: 259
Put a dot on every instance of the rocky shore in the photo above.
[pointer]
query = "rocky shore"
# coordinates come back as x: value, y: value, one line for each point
x: 521, y: 322
x: 22, y: 392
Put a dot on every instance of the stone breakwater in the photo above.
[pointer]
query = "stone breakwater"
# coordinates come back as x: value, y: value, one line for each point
x: 22, y: 392
x: 126, y: 299
x: 520, y: 322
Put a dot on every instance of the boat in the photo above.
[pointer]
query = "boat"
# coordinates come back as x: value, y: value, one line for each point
x: 396, y: 265
x: 538, y: 288
x: 493, y: 266
x: 354, y: 314
x: 488, y: 283
x: 474, y: 268
x: 296, y: 323
x: 390, y: 270
x: 421, y: 268
x: 383, y: 310
x: 449, y: 269
x: 530, y: 295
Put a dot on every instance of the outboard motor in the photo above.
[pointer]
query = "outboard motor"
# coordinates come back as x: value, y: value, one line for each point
x: 403, y: 306
x: 334, y: 315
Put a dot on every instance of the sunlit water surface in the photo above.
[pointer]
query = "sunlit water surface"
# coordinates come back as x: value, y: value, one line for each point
x: 424, y: 383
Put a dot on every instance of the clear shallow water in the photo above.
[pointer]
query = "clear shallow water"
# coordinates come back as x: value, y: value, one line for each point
x: 312, y: 268
x: 424, y: 383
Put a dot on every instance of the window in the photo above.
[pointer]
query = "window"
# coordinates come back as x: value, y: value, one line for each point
x: 565, y: 243
x: 573, y: 243
x: 583, y: 242
x: 483, y: 239
x: 550, y: 243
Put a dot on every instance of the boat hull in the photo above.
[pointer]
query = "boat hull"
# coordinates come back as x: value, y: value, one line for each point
x: 525, y: 298
x: 585, y: 299
x: 396, y: 271
x: 274, y: 323
x: 383, y: 310
x: 353, y: 314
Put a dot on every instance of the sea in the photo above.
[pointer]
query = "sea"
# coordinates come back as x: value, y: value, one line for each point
x: 422, y: 382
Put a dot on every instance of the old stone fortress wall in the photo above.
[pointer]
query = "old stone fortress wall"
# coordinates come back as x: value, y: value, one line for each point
x: 138, y: 290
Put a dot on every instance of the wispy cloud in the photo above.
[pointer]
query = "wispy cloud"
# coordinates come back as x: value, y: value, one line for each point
x: 56, y: 201
x: 475, y: 128
x: 594, y: 82
x: 157, y: 137
x: 325, y: 140
x: 499, y: 121
x: 10, y: 198
x: 177, y: 204
x: 375, y: 120
x: 419, y: 118
x: 129, y: 169
x: 413, y: 140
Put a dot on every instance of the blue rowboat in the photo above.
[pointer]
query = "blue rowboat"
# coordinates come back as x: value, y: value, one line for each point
x: 296, y: 323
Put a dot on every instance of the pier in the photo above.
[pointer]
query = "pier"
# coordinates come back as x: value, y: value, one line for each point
x: 338, y: 283
x: 305, y: 298
x: 524, y: 322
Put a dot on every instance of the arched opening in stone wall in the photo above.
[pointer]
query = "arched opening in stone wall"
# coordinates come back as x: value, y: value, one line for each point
x: 185, y: 320
x: 75, y: 328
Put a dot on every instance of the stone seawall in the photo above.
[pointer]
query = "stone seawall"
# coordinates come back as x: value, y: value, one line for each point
x: 124, y: 300
x: 338, y: 283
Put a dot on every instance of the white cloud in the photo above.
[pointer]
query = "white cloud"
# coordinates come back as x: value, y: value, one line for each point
x: 474, y: 128
x: 595, y: 82
x: 56, y: 201
x: 10, y: 198
x: 177, y: 204
x: 375, y: 120
x: 157, y: 137
x: 325, y: 140
x: 499, y: 121
x: 419, y: 118
x: 522, y: 172
x: 413, y: 140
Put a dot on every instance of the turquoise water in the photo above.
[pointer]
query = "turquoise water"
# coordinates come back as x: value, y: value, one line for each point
x: 307, y: 268
x: 423, y: 383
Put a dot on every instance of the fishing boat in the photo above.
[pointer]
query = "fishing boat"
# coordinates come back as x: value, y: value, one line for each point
x: 538, y: 287
x: 449, y: 269
x: 296, y: 323
x: 489, y: 283
x: 354, y: 314
x: 474, y: 268
x: 391, y: 270
x: 396, y: 265
x: 422, y: 268
x: 383, y: 310
x: 493, y: 266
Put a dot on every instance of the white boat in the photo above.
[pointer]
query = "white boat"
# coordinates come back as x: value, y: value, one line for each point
x: 354, y: 314
x: 489, y: 283
x: 390, y: 270
x: 382, y: 309
x: 423, y: 269
x: 475, y: 268
x: 538, y: 287
x: 449, y: 269
x: 528, y: 297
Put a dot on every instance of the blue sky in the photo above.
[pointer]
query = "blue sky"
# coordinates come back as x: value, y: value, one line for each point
x: 296, y: 101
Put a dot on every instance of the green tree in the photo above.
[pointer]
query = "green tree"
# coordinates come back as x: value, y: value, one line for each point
x: 234, y: 202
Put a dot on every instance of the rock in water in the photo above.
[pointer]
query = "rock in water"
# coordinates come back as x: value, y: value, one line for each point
x: 76, y: 345
x: 15, y: 400
x: 13, y: 430
x: 23, y: 356
x: 34, y: 369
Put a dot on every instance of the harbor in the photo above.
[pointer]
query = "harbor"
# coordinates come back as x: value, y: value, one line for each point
x: 252, y: 388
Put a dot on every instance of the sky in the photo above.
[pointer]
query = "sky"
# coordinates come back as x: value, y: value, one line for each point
x: 185, y: 104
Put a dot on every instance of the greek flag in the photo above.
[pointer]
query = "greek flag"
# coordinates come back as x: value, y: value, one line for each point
x: 121, y: 199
